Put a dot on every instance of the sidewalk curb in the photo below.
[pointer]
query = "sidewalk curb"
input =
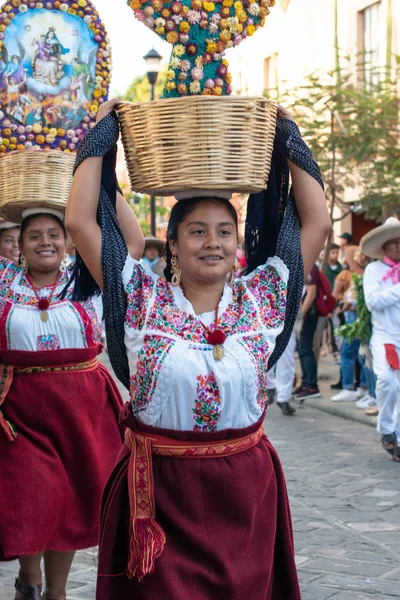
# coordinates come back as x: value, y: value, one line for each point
x: 338, y: 411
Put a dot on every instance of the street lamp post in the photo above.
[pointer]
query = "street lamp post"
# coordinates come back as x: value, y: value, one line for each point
x: 153, y: 62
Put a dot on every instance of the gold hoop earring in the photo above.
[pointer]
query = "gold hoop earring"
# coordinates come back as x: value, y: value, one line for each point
x: 23, y: 263
x: 63, y: 264
x: 176, y: 271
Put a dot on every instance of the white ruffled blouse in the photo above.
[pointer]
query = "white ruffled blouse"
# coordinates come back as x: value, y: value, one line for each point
x: 175, y: 382
x: 69, y: 325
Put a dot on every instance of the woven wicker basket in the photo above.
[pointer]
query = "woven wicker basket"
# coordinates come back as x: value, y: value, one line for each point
x: 34, y: 178
x: 198, y: 142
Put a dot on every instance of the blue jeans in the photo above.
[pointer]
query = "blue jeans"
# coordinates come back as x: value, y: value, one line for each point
x: 370, y: 378
x: 348, y: 358
x: 309, y: 377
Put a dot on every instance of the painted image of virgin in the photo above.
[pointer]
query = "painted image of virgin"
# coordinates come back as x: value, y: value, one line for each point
x: 47, y: 64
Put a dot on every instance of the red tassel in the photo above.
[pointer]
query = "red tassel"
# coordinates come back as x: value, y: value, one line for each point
x: 43, y: 304
x: 8, y: 428
x: 216, y: 337
x: 147, y: 542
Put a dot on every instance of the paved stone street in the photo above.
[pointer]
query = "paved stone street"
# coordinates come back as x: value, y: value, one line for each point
x: 345, y: 496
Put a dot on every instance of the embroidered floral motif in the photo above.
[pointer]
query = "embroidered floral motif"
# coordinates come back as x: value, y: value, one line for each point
x: 94, y: 317
x: 16, y: 288
x: 81, y: 324
x: 257, y: 302
x: 269, y: 291
x: 207, y: 410
x: 138, y: 290
x: 151, y: 357
x: 257, y: 347
x: 166, y: 316
x: 48, y: 342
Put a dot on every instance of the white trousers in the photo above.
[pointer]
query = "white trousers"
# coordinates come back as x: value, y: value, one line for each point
x: 285, y: 372
x: 387, y: 391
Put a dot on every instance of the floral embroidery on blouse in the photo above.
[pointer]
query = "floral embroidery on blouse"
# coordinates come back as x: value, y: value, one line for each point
x: 16, y: 288
x: 269, y: 291
x: 149, y: 363
x: 257, y: 347
x: 207, y: 410
x: 48, y: 342
x: 265, y: 288
x: 94, y: 318
x: 138, y: 291
x: 170, y: 319
x: 81, y: 323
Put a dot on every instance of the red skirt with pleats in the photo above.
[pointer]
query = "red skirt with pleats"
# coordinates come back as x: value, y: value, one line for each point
x: 68, y: 437
x: 227, y: 522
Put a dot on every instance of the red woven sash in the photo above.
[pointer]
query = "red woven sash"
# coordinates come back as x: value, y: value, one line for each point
x: 147, y: 539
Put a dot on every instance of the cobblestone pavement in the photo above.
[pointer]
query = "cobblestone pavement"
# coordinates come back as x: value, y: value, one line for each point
x: 345, y: 498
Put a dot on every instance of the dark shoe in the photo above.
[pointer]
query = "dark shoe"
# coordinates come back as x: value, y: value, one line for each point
x: 389, y: 442
x: 309, y: 392
x: 286, y: 408
x: 396, y: 454
x: 298, y: 390
x: 271, y: 396
x: 336, y: 386
x: 27, y: 592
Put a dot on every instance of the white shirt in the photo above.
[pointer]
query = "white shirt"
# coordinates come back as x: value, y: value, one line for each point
x: 175, y: 381
x: 383, y: 301
x: 69, y: 324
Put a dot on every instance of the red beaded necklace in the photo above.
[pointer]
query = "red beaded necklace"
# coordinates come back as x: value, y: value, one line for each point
x: 44, y: 303
x: 216, y: 337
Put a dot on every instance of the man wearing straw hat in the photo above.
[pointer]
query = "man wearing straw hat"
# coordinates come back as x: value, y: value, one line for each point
x: 382, y: 296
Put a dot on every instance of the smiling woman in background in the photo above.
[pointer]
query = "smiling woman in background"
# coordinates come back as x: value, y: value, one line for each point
x: 59, y: 433
x: 9, y: 240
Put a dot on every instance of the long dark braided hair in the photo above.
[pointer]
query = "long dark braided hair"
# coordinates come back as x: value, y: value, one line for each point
x: 178, y: 214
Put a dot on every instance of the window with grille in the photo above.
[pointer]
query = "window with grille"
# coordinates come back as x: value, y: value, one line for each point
x: 370, y: 44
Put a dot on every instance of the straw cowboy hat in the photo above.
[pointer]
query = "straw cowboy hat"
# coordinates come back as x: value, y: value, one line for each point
x: 372, y: 243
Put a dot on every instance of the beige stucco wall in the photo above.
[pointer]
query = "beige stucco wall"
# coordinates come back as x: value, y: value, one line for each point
x: 301, y: 40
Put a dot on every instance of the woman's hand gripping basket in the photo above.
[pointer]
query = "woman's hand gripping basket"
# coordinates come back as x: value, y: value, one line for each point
x: 198, y: 142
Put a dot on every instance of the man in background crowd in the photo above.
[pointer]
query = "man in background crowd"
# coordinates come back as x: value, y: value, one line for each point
x: 309, y: 369
x: 333, y: 267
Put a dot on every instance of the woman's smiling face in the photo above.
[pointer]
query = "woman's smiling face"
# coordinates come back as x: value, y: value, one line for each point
x: 43, y: 244
x: 206, y: 243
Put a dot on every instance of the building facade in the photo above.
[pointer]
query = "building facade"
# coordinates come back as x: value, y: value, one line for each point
x: 300, y: 37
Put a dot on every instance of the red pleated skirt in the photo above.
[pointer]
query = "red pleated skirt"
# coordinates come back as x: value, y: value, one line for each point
x: 53, y: 475
x: 227, y: 522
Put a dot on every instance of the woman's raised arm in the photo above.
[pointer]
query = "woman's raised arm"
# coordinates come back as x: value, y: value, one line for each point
x: 313, y: 213
x: 312, y: 209
x: 81, y: 213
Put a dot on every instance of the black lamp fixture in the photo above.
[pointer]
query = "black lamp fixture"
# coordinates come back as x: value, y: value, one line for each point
x: 153, y: 63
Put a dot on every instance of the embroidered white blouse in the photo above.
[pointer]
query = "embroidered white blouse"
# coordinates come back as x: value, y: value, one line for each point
x: 175, y: 382
x: 69, y: 325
